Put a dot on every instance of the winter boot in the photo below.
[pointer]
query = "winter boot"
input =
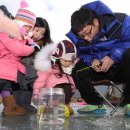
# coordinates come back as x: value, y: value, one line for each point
x: 23, y: 99
x: 11, y: 108
x: 127, y: 109
x: 92, y: 109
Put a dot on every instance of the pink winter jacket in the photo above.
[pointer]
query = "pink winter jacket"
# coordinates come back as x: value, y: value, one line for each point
x: 48, y: 79
x: 11, y: 50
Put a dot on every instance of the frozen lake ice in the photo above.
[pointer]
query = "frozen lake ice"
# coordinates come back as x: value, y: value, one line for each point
x: 76, y: 122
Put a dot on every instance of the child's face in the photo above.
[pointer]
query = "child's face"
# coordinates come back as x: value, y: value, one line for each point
x: 38, y: 33
x: 27, y: 29
x: 66, y: 63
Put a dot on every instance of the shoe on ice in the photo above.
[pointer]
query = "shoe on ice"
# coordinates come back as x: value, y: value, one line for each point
x: 127, y: 109
x: 94, y: 109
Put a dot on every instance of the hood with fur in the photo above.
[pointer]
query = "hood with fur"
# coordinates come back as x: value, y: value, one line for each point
x: 9, y: 26
x: 42, y: 60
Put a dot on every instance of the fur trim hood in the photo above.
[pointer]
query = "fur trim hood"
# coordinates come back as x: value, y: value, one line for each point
x: 9, y: 26
x: 42, y: 61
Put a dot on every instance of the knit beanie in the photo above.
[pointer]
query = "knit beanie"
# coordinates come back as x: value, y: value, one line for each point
x: 65, y: 50
x: 24, y: 15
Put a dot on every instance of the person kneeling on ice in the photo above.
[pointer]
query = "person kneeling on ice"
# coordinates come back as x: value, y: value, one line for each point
x: 54, y: 67
x: 102, y: 37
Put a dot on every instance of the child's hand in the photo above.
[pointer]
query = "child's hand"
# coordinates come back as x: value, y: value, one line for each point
x: 35, y: 100
x: 30, y: 41
x: 35, y: 45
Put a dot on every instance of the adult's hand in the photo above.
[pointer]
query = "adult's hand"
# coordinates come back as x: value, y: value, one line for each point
x: 107, y: 63
x: 96, y: 65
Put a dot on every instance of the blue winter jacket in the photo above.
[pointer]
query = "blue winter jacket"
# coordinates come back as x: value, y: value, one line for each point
x: 105, y: 43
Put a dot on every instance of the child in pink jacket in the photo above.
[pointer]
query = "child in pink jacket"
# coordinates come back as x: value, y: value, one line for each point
x: 54, y: 66
x: 13, y: 38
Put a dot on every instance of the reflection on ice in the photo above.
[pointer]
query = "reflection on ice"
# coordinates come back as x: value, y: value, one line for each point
x: 76, y: 122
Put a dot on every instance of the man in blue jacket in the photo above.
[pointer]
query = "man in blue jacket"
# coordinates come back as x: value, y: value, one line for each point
x: 102, y: 39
